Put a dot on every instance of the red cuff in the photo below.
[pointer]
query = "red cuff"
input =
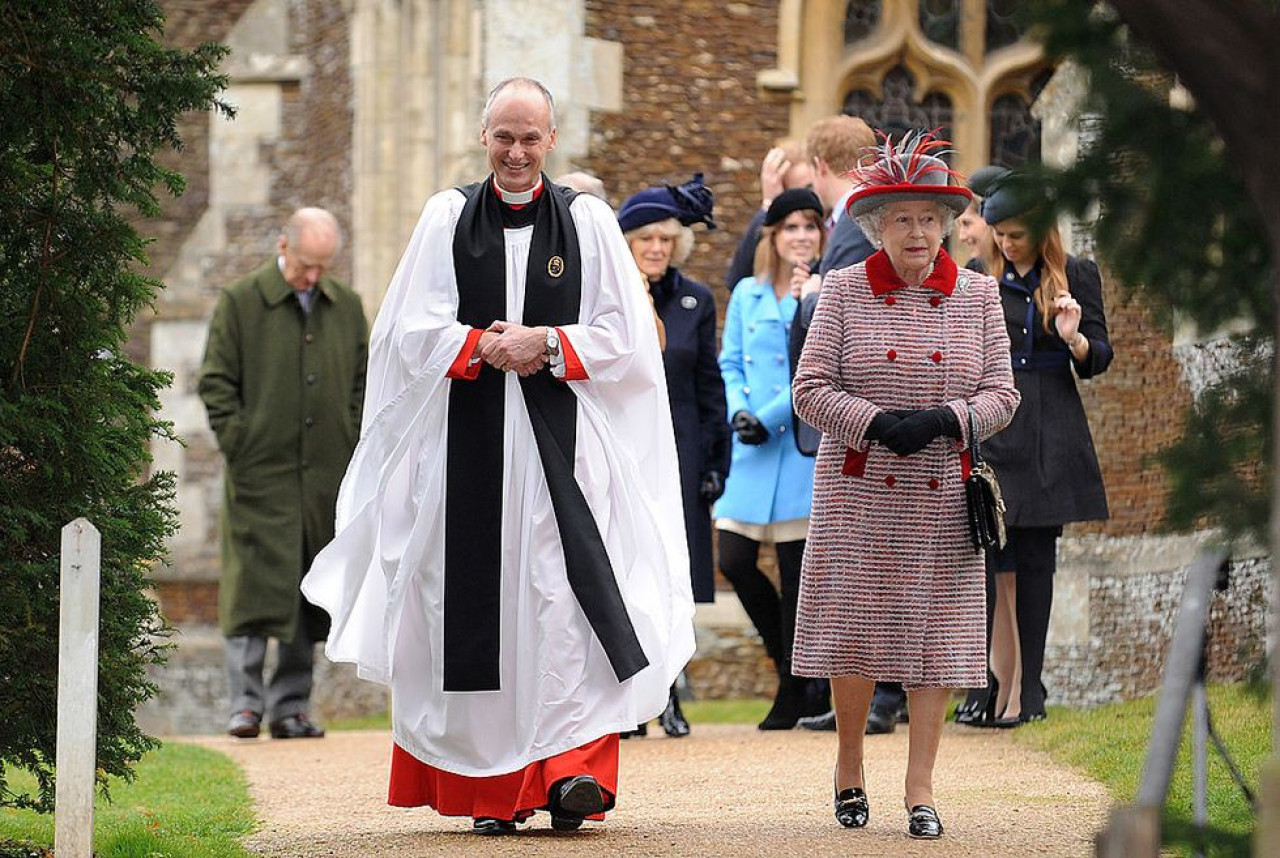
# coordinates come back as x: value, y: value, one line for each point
x: 462, y: 367
x: 573, y: 368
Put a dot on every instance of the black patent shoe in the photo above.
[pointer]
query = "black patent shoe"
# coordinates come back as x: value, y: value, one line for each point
x: 673, y: 722
x: 852, y: 810
x: 574, y: 799
x: 488, y: 826
x: 923, y: 823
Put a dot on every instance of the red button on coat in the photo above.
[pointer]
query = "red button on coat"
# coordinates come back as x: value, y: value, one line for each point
x: 936, y: 357
x: 889, y: 481
x: 935, y: 301
x: 890, y: 301
x: 891, y: 354
x: 933, y: 484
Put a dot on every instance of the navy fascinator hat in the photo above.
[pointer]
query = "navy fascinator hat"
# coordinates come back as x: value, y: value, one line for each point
x: 1005, y: 194
x: 689, y: 203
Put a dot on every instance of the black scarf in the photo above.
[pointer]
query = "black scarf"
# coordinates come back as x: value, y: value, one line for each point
x: 474, y: 475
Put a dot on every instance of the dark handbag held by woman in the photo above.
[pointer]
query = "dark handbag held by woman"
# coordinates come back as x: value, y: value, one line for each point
x: 983, y: 501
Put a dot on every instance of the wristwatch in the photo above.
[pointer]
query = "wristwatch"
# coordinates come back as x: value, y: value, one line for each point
x: 553, y: 342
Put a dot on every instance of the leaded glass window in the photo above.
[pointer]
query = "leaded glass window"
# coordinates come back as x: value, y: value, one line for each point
x: 896, y: 111
x: 860, y: 19
x: 940, y: 21
x: 1002, y: 27
x: 1015, y: 134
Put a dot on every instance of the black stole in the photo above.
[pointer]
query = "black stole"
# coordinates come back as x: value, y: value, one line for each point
x: 474, y: 474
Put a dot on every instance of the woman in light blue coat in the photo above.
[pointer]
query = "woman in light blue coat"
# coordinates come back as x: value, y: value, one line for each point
x: 770, y: 483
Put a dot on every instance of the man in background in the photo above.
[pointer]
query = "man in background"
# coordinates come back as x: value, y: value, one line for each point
x: 283, y: 383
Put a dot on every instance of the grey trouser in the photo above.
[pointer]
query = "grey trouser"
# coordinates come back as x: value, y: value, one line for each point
x: 290, y: 690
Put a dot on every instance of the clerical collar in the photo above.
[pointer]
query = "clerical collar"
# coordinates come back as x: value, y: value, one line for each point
x: 517, y: 198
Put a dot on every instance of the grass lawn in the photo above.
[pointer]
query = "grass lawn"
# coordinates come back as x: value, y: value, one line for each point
x: 1109, y: 744
x: 186, y: 802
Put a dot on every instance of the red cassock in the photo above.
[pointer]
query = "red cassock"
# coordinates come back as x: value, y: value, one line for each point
x: 511, y: 796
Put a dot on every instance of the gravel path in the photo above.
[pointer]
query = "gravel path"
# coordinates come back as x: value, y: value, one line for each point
x: 725, y: 791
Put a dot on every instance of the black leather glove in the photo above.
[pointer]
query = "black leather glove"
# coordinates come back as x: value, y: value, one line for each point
x: 914, y: 433
x: 880, y: 424
x: 712, y: 486
x: 749, y: 428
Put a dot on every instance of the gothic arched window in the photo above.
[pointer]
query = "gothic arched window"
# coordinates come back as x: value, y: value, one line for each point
x: 896, y: 111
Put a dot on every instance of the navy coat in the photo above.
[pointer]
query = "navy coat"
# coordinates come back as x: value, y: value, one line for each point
x: 688, y: 312
x: 1045, y: 459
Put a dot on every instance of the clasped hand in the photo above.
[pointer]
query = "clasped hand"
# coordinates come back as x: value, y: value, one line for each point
x: 507, y: 346
x: 749, y: 428
x: 906, y: 432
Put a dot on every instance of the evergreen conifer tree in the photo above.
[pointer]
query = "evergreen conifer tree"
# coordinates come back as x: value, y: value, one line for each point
x: 88, y: 96
x: 1184, y: 209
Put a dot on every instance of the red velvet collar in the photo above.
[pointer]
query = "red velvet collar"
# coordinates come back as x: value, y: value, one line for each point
x: 884, y: 279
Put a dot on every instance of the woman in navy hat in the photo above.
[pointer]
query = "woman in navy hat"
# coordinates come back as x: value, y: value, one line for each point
x: 656, y: 224
x: 1045, y: 460
x: 768, y: 495
x: 906, y: 359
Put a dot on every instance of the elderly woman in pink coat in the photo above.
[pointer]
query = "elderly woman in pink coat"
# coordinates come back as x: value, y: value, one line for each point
x: 903, y: 348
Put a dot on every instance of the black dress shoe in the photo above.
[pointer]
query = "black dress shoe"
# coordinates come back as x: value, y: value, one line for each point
x: 574, y: 799
x: 245, y: 724
x: 825, y: 722
x: 852, y: 810
x: 488, y: 826
x: 923, y: 824
x: 641, y: 730
x: 296, y: 727
x: 881, y: 721
x: 673, y: 722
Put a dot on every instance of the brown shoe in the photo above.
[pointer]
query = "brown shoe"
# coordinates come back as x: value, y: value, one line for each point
x: 296, y: 727
x: 245, y: 724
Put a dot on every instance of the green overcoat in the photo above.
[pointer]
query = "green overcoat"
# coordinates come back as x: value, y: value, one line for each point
x: 284, y: 389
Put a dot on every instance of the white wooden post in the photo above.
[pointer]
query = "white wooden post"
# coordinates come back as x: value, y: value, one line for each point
x: 77, y: 690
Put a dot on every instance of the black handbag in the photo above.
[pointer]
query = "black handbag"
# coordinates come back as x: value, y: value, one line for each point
x: 982, y: 498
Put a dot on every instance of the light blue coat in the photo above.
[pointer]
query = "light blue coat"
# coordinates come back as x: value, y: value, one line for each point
x: 772, y: 481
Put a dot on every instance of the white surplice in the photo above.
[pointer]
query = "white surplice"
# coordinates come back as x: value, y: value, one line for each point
x: 382, y: 577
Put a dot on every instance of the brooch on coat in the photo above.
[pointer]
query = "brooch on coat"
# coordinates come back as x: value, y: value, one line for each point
x: 689, y: 302
x: 962, y: 283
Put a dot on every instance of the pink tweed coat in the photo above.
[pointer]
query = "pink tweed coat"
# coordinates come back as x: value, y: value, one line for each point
x: 892, y: 588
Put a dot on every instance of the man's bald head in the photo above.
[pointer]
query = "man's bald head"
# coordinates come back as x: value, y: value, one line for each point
x: 518, y: 129
x: 309, y: 242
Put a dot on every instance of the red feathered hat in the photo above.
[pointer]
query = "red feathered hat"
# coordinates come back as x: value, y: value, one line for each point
x: 906, y: 172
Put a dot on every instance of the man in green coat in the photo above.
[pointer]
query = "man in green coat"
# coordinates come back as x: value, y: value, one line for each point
x: 283, y: 382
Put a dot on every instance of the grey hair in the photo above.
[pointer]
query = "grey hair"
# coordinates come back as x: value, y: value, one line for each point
x: 872, y: 223
x: 672, y: 227
x: 308, y: 219
x: 524, y: 82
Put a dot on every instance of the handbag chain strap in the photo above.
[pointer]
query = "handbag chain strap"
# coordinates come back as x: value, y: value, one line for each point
x: 975, y: 448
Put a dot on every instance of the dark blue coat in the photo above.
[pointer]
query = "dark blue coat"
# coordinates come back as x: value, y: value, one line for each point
x: 1045, y: 458
x: 696, y: 389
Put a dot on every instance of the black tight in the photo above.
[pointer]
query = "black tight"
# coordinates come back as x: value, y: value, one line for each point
x: 774, y: 614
